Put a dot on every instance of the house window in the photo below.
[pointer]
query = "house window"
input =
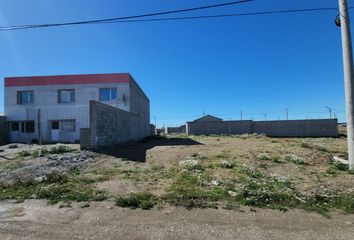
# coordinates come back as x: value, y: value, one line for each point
x: 25, y: 127
x: 67, y: 125
x: 29, y: 126
x: 55, y: 125
x: 25, y: 97
x: 108, y: 94
x: 15, y: 126
x: 66, y: 96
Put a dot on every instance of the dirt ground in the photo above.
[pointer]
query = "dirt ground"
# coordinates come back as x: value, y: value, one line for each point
x: 34, y: 219
x: 154, y: 166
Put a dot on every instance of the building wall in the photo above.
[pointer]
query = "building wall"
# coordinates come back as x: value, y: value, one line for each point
x: 46, y: 101
x: 290, y: 128
x: 109, y: 125
x: 298, y: 128
x: 140, y: 103
x: 3, y: 130
x: 219, y: 127
x: 181, y: 129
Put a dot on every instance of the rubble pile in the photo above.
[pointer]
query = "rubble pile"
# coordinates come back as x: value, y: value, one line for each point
x: 38, y: 168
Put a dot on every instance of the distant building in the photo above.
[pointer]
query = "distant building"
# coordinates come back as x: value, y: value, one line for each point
x: 55, y: 108
x: 208, y: 118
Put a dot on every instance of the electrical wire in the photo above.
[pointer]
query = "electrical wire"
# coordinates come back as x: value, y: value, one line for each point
x: 123, y: 18
x: 230, y: 15
x: 131, y: 20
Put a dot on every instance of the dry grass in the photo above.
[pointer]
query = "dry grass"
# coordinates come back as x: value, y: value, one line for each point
x: 226, y: 171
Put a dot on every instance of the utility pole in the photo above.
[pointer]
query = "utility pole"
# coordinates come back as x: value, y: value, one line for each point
x: 155, y: 125
x: 287, y: 113
x: 265, y: 116
x: 241, y: 115
x: 39, y: 127
x: 348, y: 77
x: 330, y: 112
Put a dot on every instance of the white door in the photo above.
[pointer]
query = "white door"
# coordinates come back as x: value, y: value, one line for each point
x: 55, y: 131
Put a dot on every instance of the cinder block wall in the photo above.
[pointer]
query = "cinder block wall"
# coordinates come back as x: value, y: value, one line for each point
x: 219, y: 127
x: 181, y: 129
x: 298, y: 128
x: 109, y: 125
x: 289, y: 128
x: 3, y: 131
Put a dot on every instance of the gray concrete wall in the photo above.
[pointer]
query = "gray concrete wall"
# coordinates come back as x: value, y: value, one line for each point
x: 140, y: 103
x: 289, y: 128
x: 298, y: 128
x: 3, y: 130
x: 219, y: 127
x: 109, y: 125
x: 181, y: 129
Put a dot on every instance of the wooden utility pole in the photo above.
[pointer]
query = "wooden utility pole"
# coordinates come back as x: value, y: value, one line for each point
x: 241, y: 115
x: 348, y: 77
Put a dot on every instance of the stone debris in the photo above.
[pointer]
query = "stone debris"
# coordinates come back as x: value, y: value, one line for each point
x: 37, y: 168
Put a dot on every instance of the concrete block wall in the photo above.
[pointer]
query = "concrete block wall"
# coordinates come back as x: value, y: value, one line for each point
x: 219, y: 127
x: 298, y: 128
x: 3, y: 130
x: 109, y: 125
x: 289, y: 128
x: 181, y: 129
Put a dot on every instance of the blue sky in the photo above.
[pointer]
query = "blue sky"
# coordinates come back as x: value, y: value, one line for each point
x: 257, y: 64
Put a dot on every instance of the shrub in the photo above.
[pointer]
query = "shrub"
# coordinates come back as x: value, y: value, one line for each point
x: 60, y: 149
x: 24, y: 153
x: 225, y: 164
x: 144, y: 200
x: 190, y: 164
x: 263, y: 156
x: 294, y: 159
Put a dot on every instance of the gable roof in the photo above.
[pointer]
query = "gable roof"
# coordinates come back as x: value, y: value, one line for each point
x: 208, y: 118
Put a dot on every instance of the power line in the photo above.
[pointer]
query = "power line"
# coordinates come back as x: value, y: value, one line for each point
x: 130, y: 20
x: 230, y: 15
x: 18, y: 27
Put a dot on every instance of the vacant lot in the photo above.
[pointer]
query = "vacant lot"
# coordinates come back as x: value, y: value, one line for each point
x: 221, y: 173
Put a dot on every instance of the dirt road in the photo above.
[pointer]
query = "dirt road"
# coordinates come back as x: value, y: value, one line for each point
x: 34, y: 219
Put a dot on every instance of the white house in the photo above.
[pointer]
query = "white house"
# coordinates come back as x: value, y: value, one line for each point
x: 55, y: 108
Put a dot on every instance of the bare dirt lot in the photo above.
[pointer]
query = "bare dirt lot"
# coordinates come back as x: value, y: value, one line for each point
x: 35, y: 219
x: 204, y: 187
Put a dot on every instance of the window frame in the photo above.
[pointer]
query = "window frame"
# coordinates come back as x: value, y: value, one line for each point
x: 110, y: 89
x: 72, y: 96
x: 29, y: 129
x: 62, y: 126
x: 15, y: 124
x: 30, y: 97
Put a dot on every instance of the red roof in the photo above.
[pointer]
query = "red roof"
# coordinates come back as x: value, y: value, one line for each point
x: 67, y: 79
